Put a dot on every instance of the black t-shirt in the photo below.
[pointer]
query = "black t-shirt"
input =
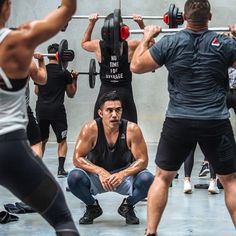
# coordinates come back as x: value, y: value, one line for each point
x: 50, y: 103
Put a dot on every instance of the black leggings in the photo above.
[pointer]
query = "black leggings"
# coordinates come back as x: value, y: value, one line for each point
x: 188, y: 165
x: 25, y: 175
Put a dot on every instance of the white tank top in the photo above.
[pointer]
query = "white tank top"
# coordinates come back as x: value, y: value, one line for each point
x: 13, y: 115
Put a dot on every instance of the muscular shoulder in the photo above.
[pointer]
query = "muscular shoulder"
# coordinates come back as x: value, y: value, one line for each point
x: 133, y: 130
x: 89, y: 131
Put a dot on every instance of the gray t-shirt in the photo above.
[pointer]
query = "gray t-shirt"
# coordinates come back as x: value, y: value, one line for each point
x: 198, y: 65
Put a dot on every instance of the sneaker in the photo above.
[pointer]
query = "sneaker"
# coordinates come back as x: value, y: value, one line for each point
x: 92, y: 212
x: 187, y: 186
x: 213, y: 189
x: 127, y: 211
x: 205, y: 170
x: 61, y: 173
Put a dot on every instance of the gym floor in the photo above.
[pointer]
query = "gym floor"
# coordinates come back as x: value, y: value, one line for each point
x: 194, y: 214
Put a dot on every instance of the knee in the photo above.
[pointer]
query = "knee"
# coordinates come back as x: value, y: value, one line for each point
x: 228, y: 181
x: 77, y: 178
x: 144, y: 180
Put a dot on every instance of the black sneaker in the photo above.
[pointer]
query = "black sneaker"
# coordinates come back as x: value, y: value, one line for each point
x: 91, y: 213
x: 61, y: 173
x: 205, y: 170
x: 127, y: 211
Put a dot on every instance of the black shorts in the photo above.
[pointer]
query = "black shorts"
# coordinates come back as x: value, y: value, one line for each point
x: 215, y: 138
x: 33, y: 131
x: 59, y: 127
x: 126, y: 94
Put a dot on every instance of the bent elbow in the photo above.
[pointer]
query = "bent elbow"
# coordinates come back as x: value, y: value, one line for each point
x: 134, y: 68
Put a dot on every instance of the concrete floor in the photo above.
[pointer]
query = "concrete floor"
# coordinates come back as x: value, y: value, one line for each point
x: 196, y: 214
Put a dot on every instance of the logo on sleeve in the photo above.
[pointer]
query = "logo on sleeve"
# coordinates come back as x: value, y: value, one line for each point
x: 215, y: 42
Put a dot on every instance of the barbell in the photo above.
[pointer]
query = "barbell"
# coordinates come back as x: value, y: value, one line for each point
x: 173, y: 17
x: 123, y: 17
x: 63, y: 55
x: 91, y: 73
x: 217, y: 29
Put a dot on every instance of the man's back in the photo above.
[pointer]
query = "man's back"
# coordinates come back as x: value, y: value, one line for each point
x: 197, y: 64
x: 54, y: 91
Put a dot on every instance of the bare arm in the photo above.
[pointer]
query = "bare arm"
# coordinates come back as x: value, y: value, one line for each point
x: 142, y: 60
x: 36, y: 90
x: 41, y: 30
x: 38, y: 74
x: 22, y: 42
x: 139, y: 20
x: 84, y: 144
x: 72, y: 88
x: 138, y: 148
x: 87, y: 44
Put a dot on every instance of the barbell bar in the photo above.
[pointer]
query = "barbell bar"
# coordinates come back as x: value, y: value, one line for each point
x: 175, y: 30
x: 50, y: 55
x: 123, y: 17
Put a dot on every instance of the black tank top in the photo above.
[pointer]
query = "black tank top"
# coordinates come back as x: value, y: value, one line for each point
x: 112, y: 158
x: 114, y: 71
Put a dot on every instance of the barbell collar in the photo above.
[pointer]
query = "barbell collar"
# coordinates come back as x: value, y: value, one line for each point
x: 123, y: 17
x: 175, y: 30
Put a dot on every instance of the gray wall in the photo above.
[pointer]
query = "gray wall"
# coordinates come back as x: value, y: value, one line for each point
x: 150, y: 90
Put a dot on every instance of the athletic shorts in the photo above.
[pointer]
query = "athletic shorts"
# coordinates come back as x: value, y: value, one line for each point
x: 33, y: 131
x: 215, y: 138
x: 59, y: 127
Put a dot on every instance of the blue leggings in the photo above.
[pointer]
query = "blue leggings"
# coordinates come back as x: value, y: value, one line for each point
x: 79, y: 183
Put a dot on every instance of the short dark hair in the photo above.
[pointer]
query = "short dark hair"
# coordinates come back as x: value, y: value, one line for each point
x: 109, y: 96
x: 53, y: 48
x: 197, y: 11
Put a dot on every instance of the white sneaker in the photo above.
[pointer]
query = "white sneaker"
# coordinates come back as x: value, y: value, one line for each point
x: 213, y: 189
x: 187, y: 186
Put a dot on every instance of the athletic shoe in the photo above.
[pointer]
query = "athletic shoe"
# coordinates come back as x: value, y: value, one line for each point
x: 205, y: 170
x: 127, y: 211
x: 213, y: 189
x: 92, y: 212
x: 187, y: 186
x: 61, y: 173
